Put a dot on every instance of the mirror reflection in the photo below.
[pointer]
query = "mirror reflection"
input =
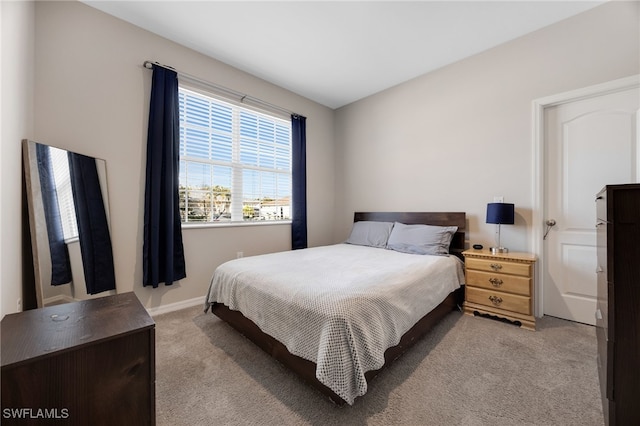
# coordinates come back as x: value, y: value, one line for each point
x: 69, y: 223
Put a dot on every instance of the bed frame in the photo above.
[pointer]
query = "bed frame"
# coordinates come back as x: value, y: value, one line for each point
x: 307, y: 369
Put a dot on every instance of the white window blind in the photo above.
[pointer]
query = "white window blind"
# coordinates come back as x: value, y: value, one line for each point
x: 62, y: 179
x: 235, y: 163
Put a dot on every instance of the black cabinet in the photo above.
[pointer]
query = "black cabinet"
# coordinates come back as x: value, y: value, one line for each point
x: 83, y: 363
x: 618, y: 310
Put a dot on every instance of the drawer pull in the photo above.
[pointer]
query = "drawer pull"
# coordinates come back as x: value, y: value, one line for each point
x: 496, y: 266
x: 599, y: 269
x: 496, y: 282
x: 495, y: 300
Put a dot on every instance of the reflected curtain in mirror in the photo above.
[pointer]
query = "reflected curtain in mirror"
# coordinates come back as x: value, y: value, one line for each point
x: 93, y: 229
x: 299, y: 182
x: 163, y: 252
x: 60, y: 264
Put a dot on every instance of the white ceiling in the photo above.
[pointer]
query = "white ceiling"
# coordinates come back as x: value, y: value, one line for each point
x: 336, y: 52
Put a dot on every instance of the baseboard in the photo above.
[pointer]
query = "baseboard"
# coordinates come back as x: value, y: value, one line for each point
x: 163, y: 309
x: 58, y: 300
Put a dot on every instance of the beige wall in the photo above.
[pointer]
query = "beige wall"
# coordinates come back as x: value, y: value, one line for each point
x: 449, y: 140
x: 16, y: 112
x: 92, y: 96
x: 453, y: 139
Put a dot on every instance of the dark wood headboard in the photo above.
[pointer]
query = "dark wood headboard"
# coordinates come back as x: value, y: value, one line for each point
x: 458, y: 219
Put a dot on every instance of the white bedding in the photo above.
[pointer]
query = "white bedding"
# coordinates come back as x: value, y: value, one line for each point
x: 339, y: 306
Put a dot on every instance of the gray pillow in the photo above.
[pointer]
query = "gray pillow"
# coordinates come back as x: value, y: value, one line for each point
x: 421, y: 239
x: 370, y: 233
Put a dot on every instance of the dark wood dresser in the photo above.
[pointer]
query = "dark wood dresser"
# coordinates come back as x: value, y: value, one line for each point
x: 83, y: 363
x: 618, y: 310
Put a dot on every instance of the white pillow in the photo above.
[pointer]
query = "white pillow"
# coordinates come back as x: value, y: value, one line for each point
x: 421, y: 239
x: 370, y: 233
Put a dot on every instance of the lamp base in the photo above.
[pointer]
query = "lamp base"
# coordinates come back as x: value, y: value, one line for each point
x: 498, y: 250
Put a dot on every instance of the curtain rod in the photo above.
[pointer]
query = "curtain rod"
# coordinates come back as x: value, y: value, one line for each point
x: 243, y: 97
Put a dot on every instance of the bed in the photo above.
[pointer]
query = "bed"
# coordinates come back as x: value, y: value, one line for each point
x: 336, y: 315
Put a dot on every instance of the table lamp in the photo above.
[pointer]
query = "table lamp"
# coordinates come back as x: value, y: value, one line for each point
x: 500, y: 214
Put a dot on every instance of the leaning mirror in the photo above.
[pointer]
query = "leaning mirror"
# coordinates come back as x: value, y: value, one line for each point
x: 69, y: 224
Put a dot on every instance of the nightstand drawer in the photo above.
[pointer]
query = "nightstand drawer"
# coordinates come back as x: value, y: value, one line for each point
x: 496, y: 299
x: 502, y: 282
x: 500, y: 266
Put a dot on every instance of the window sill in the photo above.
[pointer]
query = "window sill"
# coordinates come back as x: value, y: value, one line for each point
x: 234, y: 224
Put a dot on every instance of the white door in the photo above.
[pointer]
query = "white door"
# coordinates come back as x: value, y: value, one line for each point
x: 589, y: 143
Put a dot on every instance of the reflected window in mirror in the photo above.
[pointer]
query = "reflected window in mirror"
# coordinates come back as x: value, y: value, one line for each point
x: 62, y: 184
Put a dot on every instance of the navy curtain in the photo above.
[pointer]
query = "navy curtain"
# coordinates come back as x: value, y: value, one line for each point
x: 299, y: 182
x: 93, y: 228
x: 163, y: 252
x: 60, y: 265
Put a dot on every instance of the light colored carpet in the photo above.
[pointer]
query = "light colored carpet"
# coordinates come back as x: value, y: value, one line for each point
x: 466, y: 371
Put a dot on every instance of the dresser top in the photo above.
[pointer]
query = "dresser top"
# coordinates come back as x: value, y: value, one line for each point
x: 486, y: 254
x: 47, y: 331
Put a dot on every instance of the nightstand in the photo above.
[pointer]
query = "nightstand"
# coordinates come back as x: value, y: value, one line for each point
x: 500, y: 285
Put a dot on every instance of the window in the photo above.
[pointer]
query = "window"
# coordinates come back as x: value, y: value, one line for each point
x: 235, y: 163
x: 62, y: 183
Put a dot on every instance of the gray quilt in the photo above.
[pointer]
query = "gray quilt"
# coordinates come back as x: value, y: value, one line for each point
x: 340, y: 306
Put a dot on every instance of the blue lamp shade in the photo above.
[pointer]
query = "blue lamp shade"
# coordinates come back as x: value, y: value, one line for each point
x: 500, y: 213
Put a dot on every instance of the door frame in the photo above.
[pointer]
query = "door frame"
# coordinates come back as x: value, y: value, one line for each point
x: 538, y: 182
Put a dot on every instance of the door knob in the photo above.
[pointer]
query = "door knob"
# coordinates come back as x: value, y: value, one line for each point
x: 550, y: 224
